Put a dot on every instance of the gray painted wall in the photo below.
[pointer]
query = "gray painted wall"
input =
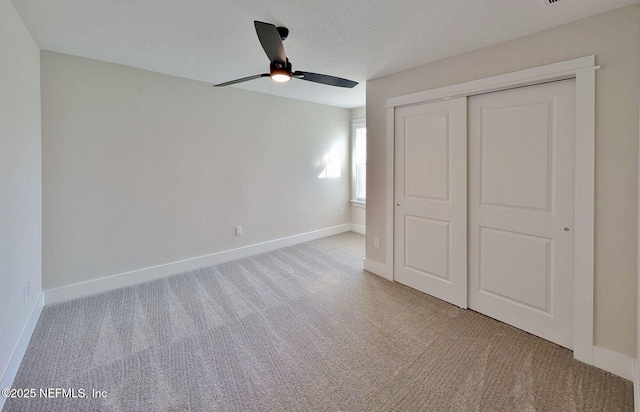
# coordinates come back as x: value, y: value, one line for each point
x: 20, y: 178
x: 142, y: 169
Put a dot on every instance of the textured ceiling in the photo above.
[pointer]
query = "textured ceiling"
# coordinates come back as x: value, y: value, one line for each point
x: 214, y: 40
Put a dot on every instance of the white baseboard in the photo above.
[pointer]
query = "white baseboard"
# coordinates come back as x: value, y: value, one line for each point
x: 636, y: 385
x: 359, y: 229
x: 21, y: 347
x: 79, y: 290
x: 378, y: 269
x: 613, y: 362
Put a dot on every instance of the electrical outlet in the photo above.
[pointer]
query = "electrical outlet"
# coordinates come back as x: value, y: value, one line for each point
x: 376, y: 242
x: 238, y: 230
x: 341, y: 212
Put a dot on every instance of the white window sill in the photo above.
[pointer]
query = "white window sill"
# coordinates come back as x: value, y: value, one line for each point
x: 358, y: 203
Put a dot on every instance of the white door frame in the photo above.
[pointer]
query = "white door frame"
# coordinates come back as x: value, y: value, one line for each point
x: 636, y: 364
x: 583, y: 70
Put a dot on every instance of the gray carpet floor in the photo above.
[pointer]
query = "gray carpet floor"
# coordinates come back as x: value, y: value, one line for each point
x: 297, y: 329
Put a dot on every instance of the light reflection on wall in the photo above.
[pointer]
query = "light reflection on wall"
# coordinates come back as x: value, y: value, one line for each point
x: 332, y: 163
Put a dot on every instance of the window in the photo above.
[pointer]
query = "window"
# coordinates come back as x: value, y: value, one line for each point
x: 359, y: 163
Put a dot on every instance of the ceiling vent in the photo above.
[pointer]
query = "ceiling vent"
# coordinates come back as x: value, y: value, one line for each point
x: 550, y: 1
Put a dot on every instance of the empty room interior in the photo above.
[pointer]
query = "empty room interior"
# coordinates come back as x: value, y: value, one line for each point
x: 335, y: 206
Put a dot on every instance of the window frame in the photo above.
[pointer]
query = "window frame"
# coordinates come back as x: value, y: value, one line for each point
x: 356, y: 124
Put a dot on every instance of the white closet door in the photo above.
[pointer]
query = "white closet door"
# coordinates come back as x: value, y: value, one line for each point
x: 521, y: 207
x: 430, y: 241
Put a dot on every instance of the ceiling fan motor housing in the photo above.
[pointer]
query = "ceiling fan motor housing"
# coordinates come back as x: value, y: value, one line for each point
x: 283, y: 32
x: 280, y: 67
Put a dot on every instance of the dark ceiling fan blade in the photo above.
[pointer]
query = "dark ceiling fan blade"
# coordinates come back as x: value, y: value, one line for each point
x: 271, y: 41
x: 244, y: 79
x: 324, y: 79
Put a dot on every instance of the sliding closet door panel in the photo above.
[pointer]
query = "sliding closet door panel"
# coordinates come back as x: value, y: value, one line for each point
x: 521, y: 203
x: 430, y: 222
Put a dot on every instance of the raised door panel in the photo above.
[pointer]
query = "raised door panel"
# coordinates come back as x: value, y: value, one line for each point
x: 517, y: 139
x: 427, y: 247
x: 516, y: 268
x: 426, y: 142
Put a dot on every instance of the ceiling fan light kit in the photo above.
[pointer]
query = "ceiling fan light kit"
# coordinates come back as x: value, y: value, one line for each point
x: 280, y: 70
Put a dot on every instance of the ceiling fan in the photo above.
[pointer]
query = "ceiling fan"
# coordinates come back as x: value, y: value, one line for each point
x: 271, y: 38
